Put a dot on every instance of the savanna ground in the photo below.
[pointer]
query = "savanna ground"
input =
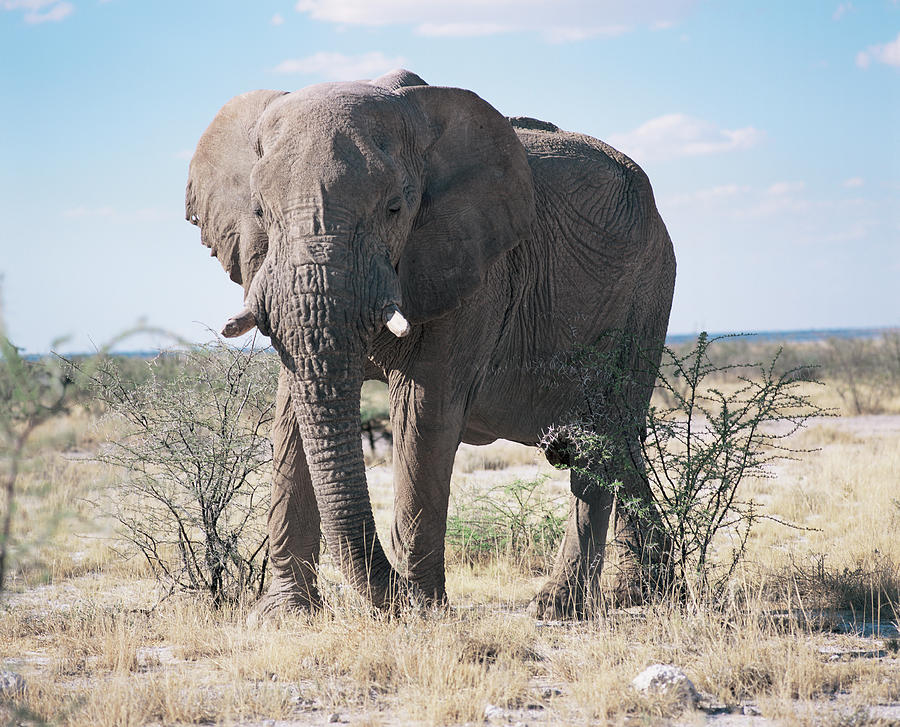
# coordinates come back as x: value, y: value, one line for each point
x: 806, y: 634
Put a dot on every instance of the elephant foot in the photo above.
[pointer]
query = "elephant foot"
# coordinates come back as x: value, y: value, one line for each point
x: 629, y: 582
x: 281, y: 601
x: 558, y: 602
x: 409, y: 597
x: 426, y: 595
x: 624, y: 591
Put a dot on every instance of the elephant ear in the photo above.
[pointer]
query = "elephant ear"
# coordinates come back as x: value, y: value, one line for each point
x: 477, y: 201
x: 218, y: 189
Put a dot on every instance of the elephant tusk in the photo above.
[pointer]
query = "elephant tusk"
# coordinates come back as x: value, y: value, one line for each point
x: 395, y: 322
x: 239, y: 324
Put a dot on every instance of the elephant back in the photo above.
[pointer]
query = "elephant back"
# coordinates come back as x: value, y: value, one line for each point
x: 592, y: 197
x: 598, y: 235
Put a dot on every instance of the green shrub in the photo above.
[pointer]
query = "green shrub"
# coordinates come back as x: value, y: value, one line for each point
x: 31, y: 392
x: 516, y: 519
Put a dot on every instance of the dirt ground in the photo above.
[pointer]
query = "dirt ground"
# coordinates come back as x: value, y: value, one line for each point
x: 97, y: 645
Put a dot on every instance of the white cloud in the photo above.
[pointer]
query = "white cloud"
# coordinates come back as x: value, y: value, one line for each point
x: 853, y: 182
x: 887, y: 53
x: 779, y: 198
x: 787, y: 201
x: 706, y: 197
x: 40, y: 11
x: 557, y: 20
x: 337, y: 66
x: 786, y: 208
x: 567, y: 34
x: 451, y: 30
x: 841, y: 10
x: 782, y: 189
x: 184, y: 154
x: 680, y: 135
x: 277, y: 19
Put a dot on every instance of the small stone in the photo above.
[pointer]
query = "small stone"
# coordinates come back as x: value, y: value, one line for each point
x: 750, y: 710
x: 665, y: 679
x: 551, y: 692
x: 11, y: 684
x: 492, y: 711
x: 335, y: 717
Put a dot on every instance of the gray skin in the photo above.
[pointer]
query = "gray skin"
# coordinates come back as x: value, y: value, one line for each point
x: 503, y: 242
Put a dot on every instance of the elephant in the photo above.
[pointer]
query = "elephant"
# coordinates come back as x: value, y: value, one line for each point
x: 409, y: 233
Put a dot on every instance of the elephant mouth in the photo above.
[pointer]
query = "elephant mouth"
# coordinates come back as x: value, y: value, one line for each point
x: 303, y: 282
x: 245, y: 321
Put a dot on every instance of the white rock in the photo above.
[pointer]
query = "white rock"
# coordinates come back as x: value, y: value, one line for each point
x: 492, y: 711
x: 666, y: 679
x: 150, y: 656
x: 11, y: 684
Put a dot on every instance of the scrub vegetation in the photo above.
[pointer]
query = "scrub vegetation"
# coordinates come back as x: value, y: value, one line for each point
x: 804, y: 629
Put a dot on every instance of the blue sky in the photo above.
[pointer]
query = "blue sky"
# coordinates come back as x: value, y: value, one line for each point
x: 768, y: 129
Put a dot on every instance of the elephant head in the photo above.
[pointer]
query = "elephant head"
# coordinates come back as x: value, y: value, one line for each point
x: 379, y: 205
x: 218, y: 188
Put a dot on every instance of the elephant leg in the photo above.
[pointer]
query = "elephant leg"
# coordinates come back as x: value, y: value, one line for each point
x: 638, y: 560
x: 573, y: 587
x: 293, y: 523
x: 427, y: 432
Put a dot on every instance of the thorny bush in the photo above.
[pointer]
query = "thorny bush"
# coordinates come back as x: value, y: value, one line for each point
x: 194, y: 454
x: 690, y: 456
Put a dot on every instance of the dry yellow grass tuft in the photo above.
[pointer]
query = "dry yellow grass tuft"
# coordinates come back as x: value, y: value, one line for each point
x: 88, y: 631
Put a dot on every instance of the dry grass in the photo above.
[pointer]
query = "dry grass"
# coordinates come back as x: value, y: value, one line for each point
x: 97, y: 648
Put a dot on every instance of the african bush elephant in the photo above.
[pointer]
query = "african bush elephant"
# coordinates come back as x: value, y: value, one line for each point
x: 394, y: 230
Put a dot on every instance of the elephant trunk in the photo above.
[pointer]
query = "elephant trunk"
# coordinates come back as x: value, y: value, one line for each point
x: 327, y: 412
x: 321, y: 326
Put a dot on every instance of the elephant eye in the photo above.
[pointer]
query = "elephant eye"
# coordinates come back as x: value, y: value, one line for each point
x: 394, y: 206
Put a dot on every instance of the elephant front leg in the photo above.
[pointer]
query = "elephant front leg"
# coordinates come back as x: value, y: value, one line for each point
x: 426, y: 436
x: 572, y: 590
x: 293, y: 524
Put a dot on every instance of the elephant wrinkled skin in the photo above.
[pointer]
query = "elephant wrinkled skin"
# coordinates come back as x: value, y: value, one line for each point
x: 356, y: 213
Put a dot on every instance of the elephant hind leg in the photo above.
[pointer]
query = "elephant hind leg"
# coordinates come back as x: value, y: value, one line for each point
x: 638, y: 556
x: 572, y: 591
